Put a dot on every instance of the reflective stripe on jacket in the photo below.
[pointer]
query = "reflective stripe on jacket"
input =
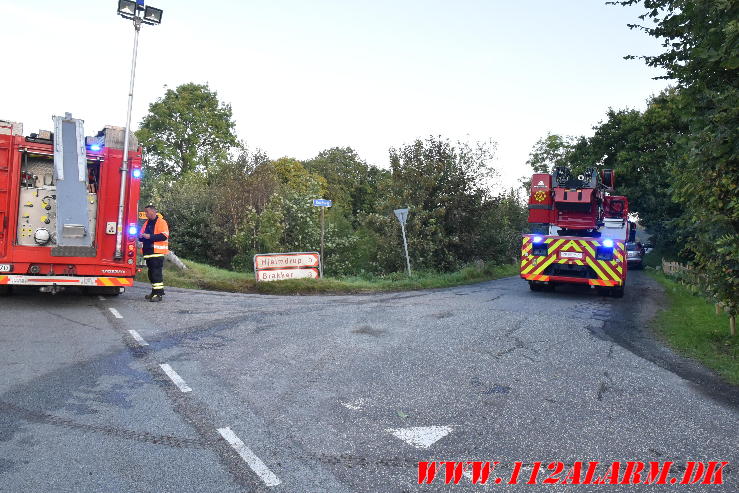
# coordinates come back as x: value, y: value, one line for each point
x: 160, y: 247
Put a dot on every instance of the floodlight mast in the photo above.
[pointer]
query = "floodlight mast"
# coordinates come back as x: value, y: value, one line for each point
x: 129, y: 9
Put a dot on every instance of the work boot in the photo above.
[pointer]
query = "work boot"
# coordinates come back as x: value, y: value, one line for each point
x: 148, y: 296
x: 155, y: 297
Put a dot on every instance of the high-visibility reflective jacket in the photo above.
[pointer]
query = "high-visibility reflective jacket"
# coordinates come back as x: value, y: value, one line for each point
x: 158, y: 244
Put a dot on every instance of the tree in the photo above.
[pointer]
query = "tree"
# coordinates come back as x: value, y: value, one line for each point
x: 551, y: 151
x: 350, y: 182
x: 642, y: 148
x: 187, y: 130
x: 444, y: 185
x: 701, y: 41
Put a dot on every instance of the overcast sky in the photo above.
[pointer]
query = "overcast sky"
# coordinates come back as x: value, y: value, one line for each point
x: 303, y: 76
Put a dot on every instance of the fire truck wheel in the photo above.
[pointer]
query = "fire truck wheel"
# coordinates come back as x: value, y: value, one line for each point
x: 534, y: 287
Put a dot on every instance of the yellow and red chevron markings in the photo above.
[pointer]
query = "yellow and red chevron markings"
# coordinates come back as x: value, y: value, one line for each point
x: 114, y: 281
x: 577, y: 251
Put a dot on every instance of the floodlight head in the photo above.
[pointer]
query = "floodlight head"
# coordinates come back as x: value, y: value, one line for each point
x: 152, y: 15
x: 127, y: 8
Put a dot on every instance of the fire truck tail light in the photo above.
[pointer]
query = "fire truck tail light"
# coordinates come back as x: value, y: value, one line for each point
x: 136, y: 173
x: 132, y: 230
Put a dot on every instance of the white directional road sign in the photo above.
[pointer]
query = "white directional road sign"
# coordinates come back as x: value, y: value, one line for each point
x: 280, y: 266
x: 295, y: 260
x: 283, y: 274
x: 321, y: 203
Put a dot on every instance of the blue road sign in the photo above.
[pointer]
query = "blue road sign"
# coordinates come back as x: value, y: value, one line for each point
x: 321, y: 203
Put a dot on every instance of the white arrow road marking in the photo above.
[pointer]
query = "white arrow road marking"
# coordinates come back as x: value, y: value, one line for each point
x: 421, y: 436
x: 354, y: 405
x: 249, y: 457
x: 115, y: 312
x: 138, y: 338
x: 176, y: 379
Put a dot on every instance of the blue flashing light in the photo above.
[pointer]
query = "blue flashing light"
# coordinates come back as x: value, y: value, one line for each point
x: 136, y: 173
x: 95, y: 147
x: 132, y: 230
x: 608, y: 243
x: 538, y: 239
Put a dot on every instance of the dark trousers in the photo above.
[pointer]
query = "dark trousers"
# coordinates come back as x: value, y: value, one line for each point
x: 155, y: 265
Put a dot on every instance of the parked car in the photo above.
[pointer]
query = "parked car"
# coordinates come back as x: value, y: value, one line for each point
x: 635, y: 255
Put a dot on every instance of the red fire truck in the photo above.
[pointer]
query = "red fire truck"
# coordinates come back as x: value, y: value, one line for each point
x: 68, y: 208
x: 578, y: 232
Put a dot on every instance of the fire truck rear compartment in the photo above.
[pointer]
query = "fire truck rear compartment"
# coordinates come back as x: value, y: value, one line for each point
x: 38, y: 206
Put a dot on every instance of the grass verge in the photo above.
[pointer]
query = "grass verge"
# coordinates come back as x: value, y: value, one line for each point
x: 201, y: 276
x: 690, y: 325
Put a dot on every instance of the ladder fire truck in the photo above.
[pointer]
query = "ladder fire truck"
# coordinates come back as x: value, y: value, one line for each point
x: 578, y: 232
x: 68, y: 208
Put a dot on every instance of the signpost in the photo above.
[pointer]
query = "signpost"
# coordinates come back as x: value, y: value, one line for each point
x: 282, y: 274
x: 280, y: 266
x: 322, y: 203
x: 402, y: 215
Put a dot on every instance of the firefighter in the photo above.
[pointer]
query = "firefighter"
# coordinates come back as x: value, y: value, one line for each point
x: 155, y: 239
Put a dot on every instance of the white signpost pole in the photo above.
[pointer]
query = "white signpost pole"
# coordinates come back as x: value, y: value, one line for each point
x: 402, y: 215
x: 322, y: 203
x: 320, y: 264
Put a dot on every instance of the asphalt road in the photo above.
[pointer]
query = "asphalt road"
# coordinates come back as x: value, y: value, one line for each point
x: 225, y: 392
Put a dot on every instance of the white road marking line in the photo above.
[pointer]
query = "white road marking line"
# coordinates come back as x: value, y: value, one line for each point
x: 176, y: 379
x: 101, y: 297
x: 138, y: 337
x: 249, y: 457
x: 421, y: 436
x: 115, y: 312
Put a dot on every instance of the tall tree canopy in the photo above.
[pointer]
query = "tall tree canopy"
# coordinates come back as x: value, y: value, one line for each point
x: 551, y: 151
x: 701, y: 41
x: 352, y: 183
x: 642, y: 148
x: 187, y: 130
